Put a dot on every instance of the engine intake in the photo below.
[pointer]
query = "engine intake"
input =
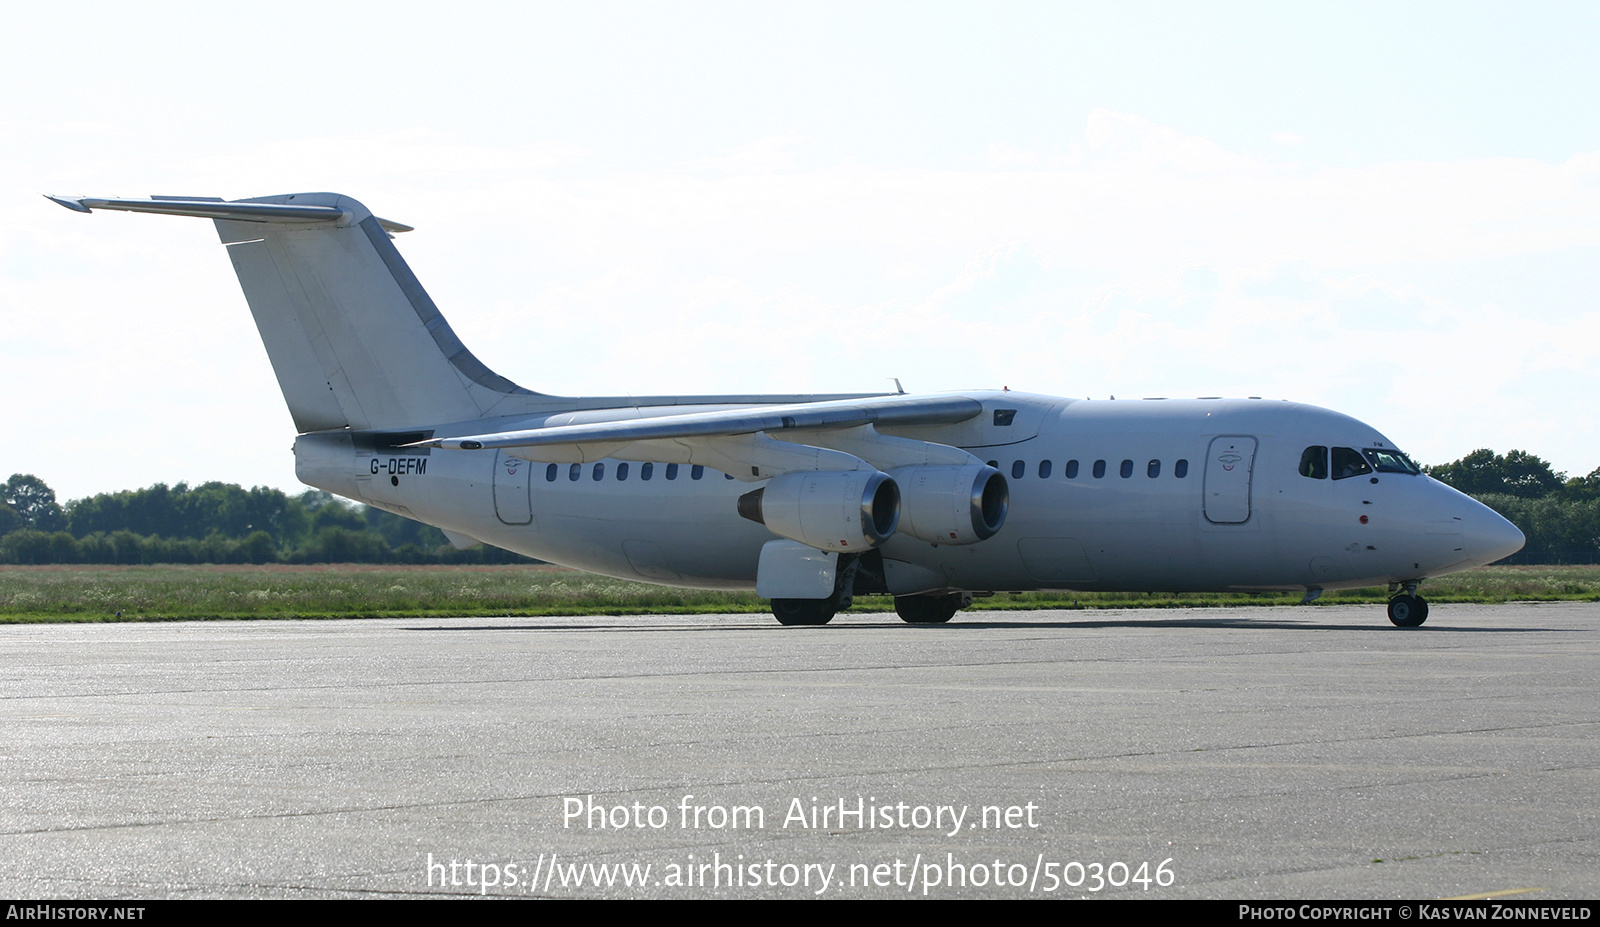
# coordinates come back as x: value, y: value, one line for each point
x: 839, y: 510
x: 952, y: 505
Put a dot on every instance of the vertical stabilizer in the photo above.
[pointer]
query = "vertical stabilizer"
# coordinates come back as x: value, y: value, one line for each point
x: 354, y: 339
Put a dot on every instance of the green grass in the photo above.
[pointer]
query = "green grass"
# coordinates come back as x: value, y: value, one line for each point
x: 184, y: 593
x: 178, y: 593
x: 1490, y: 584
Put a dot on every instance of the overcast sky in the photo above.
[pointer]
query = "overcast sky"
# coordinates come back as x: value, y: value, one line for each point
x: 1392, y: 210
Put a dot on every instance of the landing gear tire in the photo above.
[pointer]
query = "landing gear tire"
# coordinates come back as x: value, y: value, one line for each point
x: 803, y: 611
x: 927, y: 609
x: 1408, y: 611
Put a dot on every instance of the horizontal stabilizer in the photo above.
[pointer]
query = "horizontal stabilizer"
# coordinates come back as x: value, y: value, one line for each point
x: 206, y: 208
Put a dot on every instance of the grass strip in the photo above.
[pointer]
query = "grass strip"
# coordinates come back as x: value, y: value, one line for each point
x: 191, y: 593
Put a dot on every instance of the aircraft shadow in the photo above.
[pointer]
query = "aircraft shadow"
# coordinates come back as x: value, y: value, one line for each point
x: 846, y: 624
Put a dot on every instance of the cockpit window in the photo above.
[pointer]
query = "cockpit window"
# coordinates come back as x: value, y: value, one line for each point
x: 1347, y: 463
x: 1385, y: 461
x: 1314, y: 462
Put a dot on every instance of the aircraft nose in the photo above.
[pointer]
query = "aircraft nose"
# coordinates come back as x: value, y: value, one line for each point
x: 1488, y: 536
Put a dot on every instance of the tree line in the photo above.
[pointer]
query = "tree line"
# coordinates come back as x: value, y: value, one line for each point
x: 214, y: 523
x: 226, y: 523
x: 1559, y: 516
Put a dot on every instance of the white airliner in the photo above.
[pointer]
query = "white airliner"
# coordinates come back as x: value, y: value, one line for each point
x: 813, y: 499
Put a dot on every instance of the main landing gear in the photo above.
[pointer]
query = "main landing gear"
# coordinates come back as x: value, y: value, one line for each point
x: 1408, y: 610
x: 804, y: 611
x: 930, y: 609
x: 913, y: 609
x: 821, y: 611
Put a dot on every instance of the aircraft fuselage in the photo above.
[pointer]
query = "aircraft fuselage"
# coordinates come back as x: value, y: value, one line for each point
x: 1168, y: 495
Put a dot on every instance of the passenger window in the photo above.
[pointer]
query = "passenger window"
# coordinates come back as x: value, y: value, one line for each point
x: 672, y: 471
x: 599, y: 472
x: 727, y: 476
x: 1180, y: 469
x: 1072, y: 469
x: 575, y: 472
x: 550, y: 473
x: 1127, y: 469
x: 1153, y: 469
x: 1314, y: 462
x: 646, y: 470
x: 696, y: 471
x: 1099, y: 469
x: 995, y: 464
x: 622, y: 472
x: 1044, y: 469
x: 1017, y: 469
x: 1348, y: 463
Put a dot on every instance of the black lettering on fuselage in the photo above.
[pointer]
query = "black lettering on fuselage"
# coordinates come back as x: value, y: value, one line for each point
x: 395, y: 466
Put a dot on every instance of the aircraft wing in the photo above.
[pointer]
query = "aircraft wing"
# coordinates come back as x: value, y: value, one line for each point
x: 831, y: 415
x: 751, y: 443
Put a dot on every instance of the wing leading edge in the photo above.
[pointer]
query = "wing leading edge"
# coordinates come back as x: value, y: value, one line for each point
x: 752, y: 443
x: 830, y: 415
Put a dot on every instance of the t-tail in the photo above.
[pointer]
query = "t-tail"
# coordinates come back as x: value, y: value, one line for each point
x: 354, y: 339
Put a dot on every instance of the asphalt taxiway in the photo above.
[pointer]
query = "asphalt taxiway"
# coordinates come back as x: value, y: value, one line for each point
x: 1312, y: 752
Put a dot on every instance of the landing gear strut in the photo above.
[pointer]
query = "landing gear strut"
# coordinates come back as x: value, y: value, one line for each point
x: 1408, y: 610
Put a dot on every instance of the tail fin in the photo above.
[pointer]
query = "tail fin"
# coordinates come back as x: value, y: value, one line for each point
x: 353, y: 337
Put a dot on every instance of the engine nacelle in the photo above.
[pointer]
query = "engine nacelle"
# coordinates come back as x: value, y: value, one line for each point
x: 952, y: 505
x: 839, y: 510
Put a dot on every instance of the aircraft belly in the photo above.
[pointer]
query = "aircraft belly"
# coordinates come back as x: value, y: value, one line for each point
x: 1051, y: 560
x: 678, y: 533
x: 658, y: 551
x: 1089, y: 535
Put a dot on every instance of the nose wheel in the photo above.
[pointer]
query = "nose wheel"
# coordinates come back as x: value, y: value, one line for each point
x: 1408, y: 610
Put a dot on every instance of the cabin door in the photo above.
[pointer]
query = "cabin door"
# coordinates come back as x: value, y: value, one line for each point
x: 1227, y: 488
x: 511, y: 502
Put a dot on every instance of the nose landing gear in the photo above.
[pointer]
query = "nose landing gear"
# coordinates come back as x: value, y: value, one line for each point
x: 1408, y: 610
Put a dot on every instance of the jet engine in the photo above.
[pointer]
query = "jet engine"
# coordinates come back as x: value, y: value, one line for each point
x: 837, y: 510
x: 952, y: 505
